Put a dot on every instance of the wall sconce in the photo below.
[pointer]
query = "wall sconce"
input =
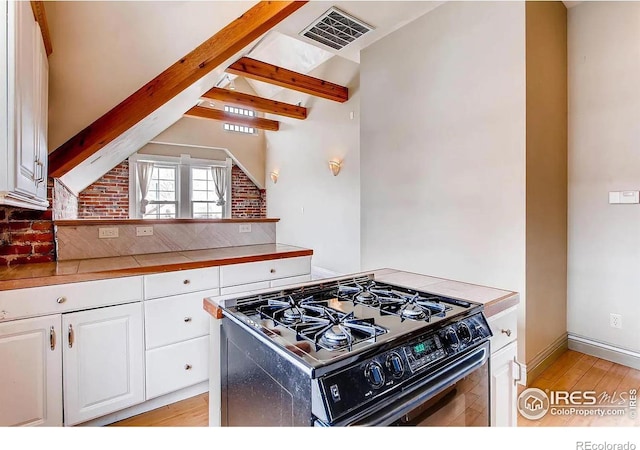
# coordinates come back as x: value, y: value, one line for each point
x: 274, y: 177
x: 335, y: 167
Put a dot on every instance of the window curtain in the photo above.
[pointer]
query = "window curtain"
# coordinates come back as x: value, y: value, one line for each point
x: 219, y: 175
x: 145, y: 169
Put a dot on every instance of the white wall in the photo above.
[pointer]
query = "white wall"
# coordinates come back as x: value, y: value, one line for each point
x: 316, y: 209
x: 103, y: 51
x: 443, y: 146
x: 604, y: 155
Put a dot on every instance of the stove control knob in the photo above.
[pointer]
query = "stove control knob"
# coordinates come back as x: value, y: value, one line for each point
x: 464, y: 333
x: 451, y: 337
x: 394, y: 365
x: 374, y: 374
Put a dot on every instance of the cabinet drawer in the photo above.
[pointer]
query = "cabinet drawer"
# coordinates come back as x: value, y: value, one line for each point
x: 62, y: 298
x: 177, y: 366
x: 175, y: 319
x: 180, y: 282
x: 291, y: 280
x: 241, y: 288
x: 504, y: 327
x: 264, y: 270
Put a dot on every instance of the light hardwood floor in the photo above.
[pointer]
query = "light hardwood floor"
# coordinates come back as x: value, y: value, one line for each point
x: 575, y: 371
x: 572, y: 371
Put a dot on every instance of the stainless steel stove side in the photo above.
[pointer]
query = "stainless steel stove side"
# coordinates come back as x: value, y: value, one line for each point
x: 260, y: 386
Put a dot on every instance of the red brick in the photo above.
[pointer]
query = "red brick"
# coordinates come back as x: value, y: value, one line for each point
x: 43, y: 248
x: 20, y: 225
x: 15, y: 249
x: 3, y: 214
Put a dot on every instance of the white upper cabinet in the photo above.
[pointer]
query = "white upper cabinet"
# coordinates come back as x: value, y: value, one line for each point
x: 24, y: 103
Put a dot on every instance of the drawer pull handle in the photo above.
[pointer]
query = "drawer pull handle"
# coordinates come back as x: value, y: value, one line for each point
x: 507, y: 332
x: 273, y: 271
x: 61, y: 300
x: 520, y: 371
x: 71, y: 336
x: 187, y: 367
x: 52, y: 338
x: 187, y: 319
x: 3, y: 314
x: 186, y: 282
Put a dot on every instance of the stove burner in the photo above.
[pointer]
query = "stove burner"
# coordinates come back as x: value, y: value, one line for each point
x: 291, y: 315
x: 336, y: 330
x: 413, y: 312
x: 366, y: 297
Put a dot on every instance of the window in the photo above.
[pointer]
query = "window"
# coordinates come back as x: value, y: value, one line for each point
x: 203, y: 195
x: 239, y: 111
x: 239, y: 128
x: 162, y: 198
x: 180, y: 187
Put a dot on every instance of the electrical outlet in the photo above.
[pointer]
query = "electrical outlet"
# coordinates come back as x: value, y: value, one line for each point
x: 615, y: 320
x: 107, y: 233
x: 144, y: 231
x: 245, y: 228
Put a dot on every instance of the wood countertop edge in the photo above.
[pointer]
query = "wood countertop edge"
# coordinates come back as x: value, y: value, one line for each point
x: 123, y: 222
x: 501, y: 304
x: 23, y: 283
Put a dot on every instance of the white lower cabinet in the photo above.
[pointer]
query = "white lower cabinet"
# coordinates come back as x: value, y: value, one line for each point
x: 504, y: 368
x: 503, y: 387
x: 103, y: 354
x: 31, y: 372
x: 177, y: 366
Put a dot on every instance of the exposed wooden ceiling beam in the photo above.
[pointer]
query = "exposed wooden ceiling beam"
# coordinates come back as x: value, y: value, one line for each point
x: 178, y: 77
x: 268, y: 73
x: 41, y: 18
x: 256, y: 103
x: 216, y: 114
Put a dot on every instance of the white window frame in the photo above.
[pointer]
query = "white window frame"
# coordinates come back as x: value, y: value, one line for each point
x: 183, y: 182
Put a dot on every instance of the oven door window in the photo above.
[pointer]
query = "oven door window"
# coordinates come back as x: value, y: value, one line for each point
x: 463, y: 404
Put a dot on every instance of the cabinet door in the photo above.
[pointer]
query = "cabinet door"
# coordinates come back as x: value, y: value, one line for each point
x: 103, y: 355
x: 42, y: 96
x: 503, y: 388
x: 26, y: 107
x: 31, y: 372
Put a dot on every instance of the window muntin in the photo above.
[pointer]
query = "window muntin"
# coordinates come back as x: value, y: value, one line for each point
x: 203, y: 195
x: 162, y: 196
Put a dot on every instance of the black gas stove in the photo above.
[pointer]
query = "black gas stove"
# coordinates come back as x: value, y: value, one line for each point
x: 350, y: 343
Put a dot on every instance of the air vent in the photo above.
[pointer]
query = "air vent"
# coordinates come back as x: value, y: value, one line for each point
x: 336, y: 29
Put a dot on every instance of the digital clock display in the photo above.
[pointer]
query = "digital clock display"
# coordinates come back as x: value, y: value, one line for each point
x: 423, y: 347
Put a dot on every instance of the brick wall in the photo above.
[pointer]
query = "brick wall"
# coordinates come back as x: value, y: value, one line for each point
x: 26, y: 236
x: 107, y: 198
x: 247, y: 201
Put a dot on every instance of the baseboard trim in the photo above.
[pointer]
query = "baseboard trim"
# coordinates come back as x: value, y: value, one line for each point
x: 605, y: 351
x: 546, y: 357
x: 154, y: 403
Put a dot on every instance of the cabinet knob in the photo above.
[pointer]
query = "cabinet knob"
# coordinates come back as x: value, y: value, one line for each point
x: 507, y: 331
x: 3, y: 314
x: 61, y: 300
x: 187, y: 367
x: 186, y: 282
x: 273, y: 271
x: 187, y: 319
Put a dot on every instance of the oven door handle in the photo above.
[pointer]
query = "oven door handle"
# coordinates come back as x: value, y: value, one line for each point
x: 458, y: 370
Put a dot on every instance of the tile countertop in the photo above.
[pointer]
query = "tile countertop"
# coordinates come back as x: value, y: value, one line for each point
x: 72, y: 271
x: 494, y: 300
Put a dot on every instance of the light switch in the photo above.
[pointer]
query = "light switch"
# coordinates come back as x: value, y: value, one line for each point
x: 624, y: 197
